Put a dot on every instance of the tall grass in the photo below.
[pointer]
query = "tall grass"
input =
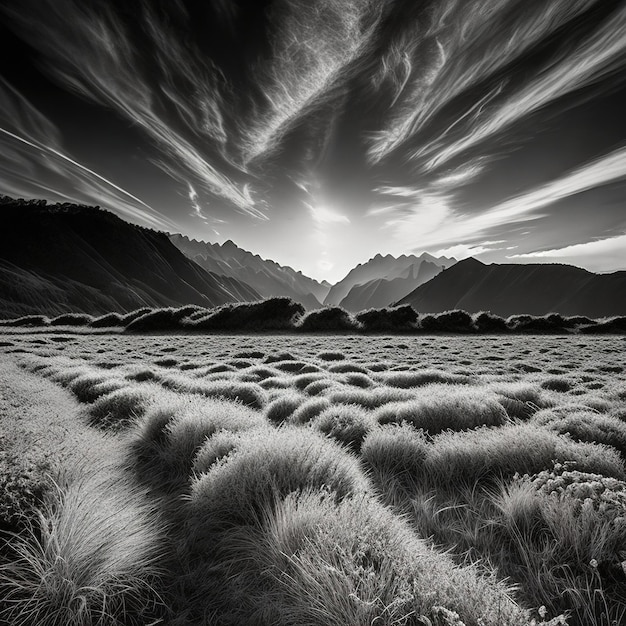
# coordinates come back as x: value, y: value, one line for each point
x: 314, y: 560
x: 91, y: 558
x: 261, y: 465
x: 445, y: 407
x: 163, y: 445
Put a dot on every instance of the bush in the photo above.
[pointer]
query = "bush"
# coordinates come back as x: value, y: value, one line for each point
x: 564, y: 531
x: 161, y: 319
x: 329, y: 319
x: 270, y: 314
x: 455, y: 321
x: 551, y: 323
x: 487, y: 322
x: 615, y: 325
x: 28, y: 320
x: 72, y: 319
x: 107, y: 321
x: 398, y: 319
x: 127, y: 318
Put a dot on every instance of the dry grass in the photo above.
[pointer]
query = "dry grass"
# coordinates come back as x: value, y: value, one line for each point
x: 268, y: 464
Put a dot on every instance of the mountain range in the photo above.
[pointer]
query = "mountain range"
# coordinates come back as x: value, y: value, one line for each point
x: 69, y: 258
x: 508, y: 289
x: 384, y: 279
x: 268, y: 277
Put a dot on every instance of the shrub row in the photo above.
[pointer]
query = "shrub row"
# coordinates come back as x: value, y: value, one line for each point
x: 283, y: 314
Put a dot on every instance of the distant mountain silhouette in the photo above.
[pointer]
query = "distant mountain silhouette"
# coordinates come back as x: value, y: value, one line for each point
x: 265, y: 276
x: 71, y: 258
x: 535, y: 289
x: 384, y: 279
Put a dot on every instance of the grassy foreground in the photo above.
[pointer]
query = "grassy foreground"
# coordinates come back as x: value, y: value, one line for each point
x: 312, y: 480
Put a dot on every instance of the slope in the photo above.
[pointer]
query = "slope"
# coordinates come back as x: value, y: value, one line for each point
x: 66, y: 258
x: 265, y: 276
x: 383, y: 267
x: 508, y: 289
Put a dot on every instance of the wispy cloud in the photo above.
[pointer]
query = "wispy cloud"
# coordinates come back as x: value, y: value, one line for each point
x: 428, y: 219
x: 415, y: 101
x: 594, y: 255
x: 34, y: 164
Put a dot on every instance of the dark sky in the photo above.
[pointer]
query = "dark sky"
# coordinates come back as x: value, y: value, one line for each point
x: 321, y: 133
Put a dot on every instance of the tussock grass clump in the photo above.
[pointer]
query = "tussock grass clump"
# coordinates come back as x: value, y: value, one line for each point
x: 398, y: 319
x: 331, y: 356
x: 165, y: 441
x: 347, y: 368
x: 394, y: 455
x: 299, y: 367
x: 308, y: 410
x: 72, y: 319
x: 319, y: 561
x: 520, y: 399
x: 437, y: 408
x: 370, y: 398
x: 86, y: 387
x: 329, y: 319
x: 419, y: 378
x: 557, y: 383
x: 347, y: 424
x: 263, y: 465
x: 321, y: 386
x: 587, y: 426
x: 109, y: 320
x: 79, y: 565
x: 355, y: 379
x: 280, y: 409
x: 487, y: 454
x: 117, y: 410
x: 248, y: 394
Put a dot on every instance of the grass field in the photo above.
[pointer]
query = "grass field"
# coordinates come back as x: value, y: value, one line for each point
x: 312, y: 479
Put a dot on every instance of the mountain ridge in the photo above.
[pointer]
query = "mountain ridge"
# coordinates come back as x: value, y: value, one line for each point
x: 511, y: 289
x: 267, y: 276
x: 74, y: 258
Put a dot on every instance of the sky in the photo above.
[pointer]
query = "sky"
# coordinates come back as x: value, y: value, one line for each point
x: 321, y: 133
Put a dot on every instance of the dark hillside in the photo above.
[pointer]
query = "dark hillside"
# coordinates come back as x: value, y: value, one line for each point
x: 67, y: 257
x: 535, y: 289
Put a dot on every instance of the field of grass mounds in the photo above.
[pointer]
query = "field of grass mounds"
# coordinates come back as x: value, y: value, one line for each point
x: 309, y: 478
x: 285, y: 315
